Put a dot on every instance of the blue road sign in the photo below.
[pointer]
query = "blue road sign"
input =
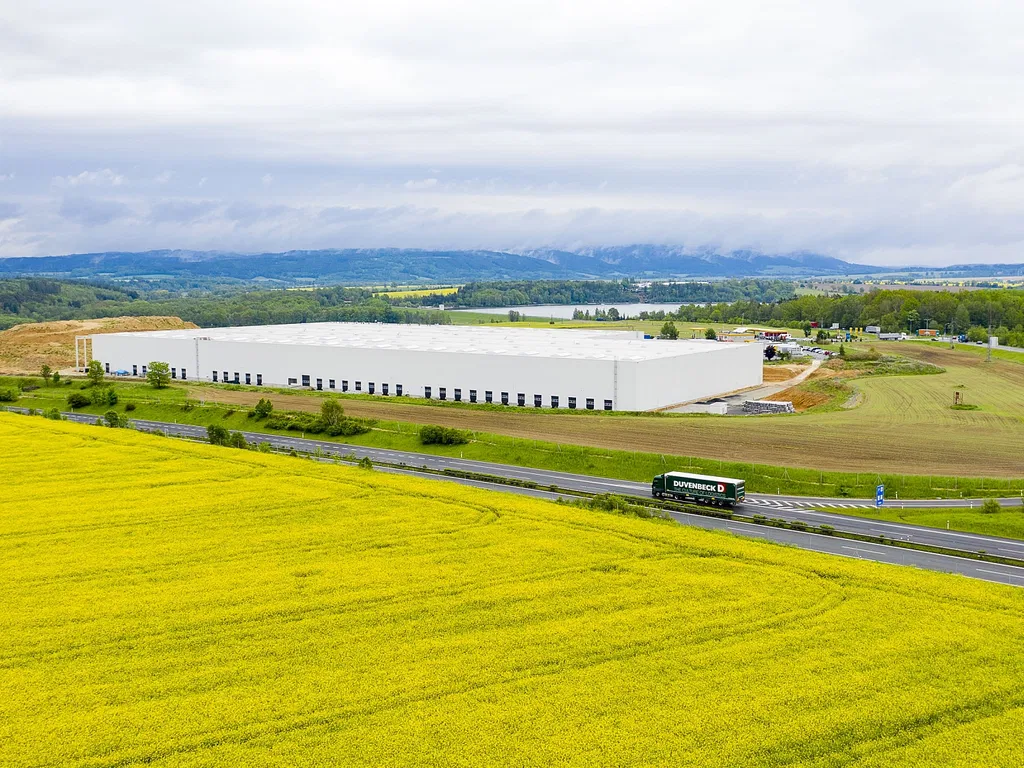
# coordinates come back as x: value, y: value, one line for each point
x: 879, y: 495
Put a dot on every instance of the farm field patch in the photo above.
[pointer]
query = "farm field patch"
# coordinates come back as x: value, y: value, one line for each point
x: 180, y: 604
x: 901, y: 423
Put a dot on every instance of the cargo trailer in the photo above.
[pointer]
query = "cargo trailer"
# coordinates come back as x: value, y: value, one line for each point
x: 706, y: 489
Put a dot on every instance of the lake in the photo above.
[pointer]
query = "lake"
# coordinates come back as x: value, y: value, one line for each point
x: 564, y: 311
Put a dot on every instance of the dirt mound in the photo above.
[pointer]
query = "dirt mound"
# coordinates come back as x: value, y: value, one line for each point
x: 26, y: 348
x: 774, y: 373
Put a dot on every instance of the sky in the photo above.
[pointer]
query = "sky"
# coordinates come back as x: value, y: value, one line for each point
x: 878, y: 132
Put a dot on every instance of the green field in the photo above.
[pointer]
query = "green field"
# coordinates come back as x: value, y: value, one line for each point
x: 186, y: 605
x: 1009, y: 522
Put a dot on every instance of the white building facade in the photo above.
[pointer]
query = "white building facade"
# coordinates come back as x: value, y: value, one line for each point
x: 580, y: 369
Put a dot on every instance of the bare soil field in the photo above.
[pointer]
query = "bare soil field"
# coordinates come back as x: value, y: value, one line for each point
x: 903, y: 424
x: 26, y: 348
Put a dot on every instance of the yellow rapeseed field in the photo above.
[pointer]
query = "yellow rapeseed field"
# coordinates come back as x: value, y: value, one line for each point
x: 184, y: 605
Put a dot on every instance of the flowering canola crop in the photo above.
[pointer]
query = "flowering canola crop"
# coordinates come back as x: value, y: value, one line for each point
x: 185, y: 605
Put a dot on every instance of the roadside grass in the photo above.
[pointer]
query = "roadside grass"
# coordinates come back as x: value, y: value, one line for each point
x: 639, y: 466
x: 1007, y: 523
x: 183, y: 604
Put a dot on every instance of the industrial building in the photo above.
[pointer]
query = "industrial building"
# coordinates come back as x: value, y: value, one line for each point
x: 544, y: 368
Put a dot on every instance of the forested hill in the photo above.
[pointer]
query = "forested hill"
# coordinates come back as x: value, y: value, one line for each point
x: 404, y: 266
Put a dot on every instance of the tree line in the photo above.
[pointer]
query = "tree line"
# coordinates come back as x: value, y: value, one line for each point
x: 513, y: 293
x: 891, y: 310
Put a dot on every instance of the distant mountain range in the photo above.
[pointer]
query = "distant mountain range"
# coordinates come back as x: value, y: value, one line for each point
x: 404, y: 266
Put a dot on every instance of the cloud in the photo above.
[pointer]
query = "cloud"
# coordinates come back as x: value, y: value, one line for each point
x: 7, y: 176
x: 102, y: 178
x: 420, y: 184
x: 823, y: 126
x: 9, y: 210
x: 181, y: 211
x: 93, y: 212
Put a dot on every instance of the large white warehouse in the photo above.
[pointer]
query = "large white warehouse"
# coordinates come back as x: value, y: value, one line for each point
x: 603, y: 370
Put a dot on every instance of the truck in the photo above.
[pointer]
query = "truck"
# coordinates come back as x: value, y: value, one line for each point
x: 704, y: 489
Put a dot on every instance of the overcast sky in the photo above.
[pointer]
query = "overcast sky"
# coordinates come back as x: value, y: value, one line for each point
x: 883, y: 132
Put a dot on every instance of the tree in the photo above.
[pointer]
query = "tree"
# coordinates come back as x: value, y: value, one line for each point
x: 78, y: 400
x: 807, y: 330
x: 769, y: 352
x: 710, y: 334
x: 217, y: 435
x: 95, y: 373
x: 116, y: 420
x: 56, y: 377
x: 45, y: 372
x: 331, y: 412
x: 842, y: 350
x: 158, y: 374
x: 961, y: 319
x: 977, y: 333
x: 613, y: 314
x: 263, y: 408
x: 669, y: 331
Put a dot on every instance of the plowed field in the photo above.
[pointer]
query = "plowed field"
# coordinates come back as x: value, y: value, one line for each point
x: 904, y: 423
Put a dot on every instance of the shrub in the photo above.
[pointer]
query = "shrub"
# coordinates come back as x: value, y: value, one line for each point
x: 431, y: 434
x: 78, y: 400
x: 103, y: 396
x: 8, y: 395
x: 237, y: 440
x: 53, y: 414
x: 129, y: 406
x: 263, y: 408
x: 990, y: 507
x: 710, y: 334
x: 365, y: 463
x: 188, y: 405
x: 315, y: 425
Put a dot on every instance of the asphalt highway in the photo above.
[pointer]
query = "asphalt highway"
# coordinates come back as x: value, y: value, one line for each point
x: 790, y: 508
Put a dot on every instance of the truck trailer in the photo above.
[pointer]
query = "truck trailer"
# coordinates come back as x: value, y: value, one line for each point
x: 706, y: 489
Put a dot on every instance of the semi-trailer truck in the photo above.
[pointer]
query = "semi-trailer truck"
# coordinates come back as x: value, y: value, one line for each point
x: 706, y: 489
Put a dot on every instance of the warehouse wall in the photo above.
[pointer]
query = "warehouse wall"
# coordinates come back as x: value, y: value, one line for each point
x: 123, y: 352
x: 670, y: 381
x: 629, y: 385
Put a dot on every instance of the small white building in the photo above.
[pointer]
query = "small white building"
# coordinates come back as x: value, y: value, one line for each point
x: 583, y: 369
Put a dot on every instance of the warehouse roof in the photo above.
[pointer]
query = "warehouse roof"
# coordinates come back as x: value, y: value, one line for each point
x: 584, y: 344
